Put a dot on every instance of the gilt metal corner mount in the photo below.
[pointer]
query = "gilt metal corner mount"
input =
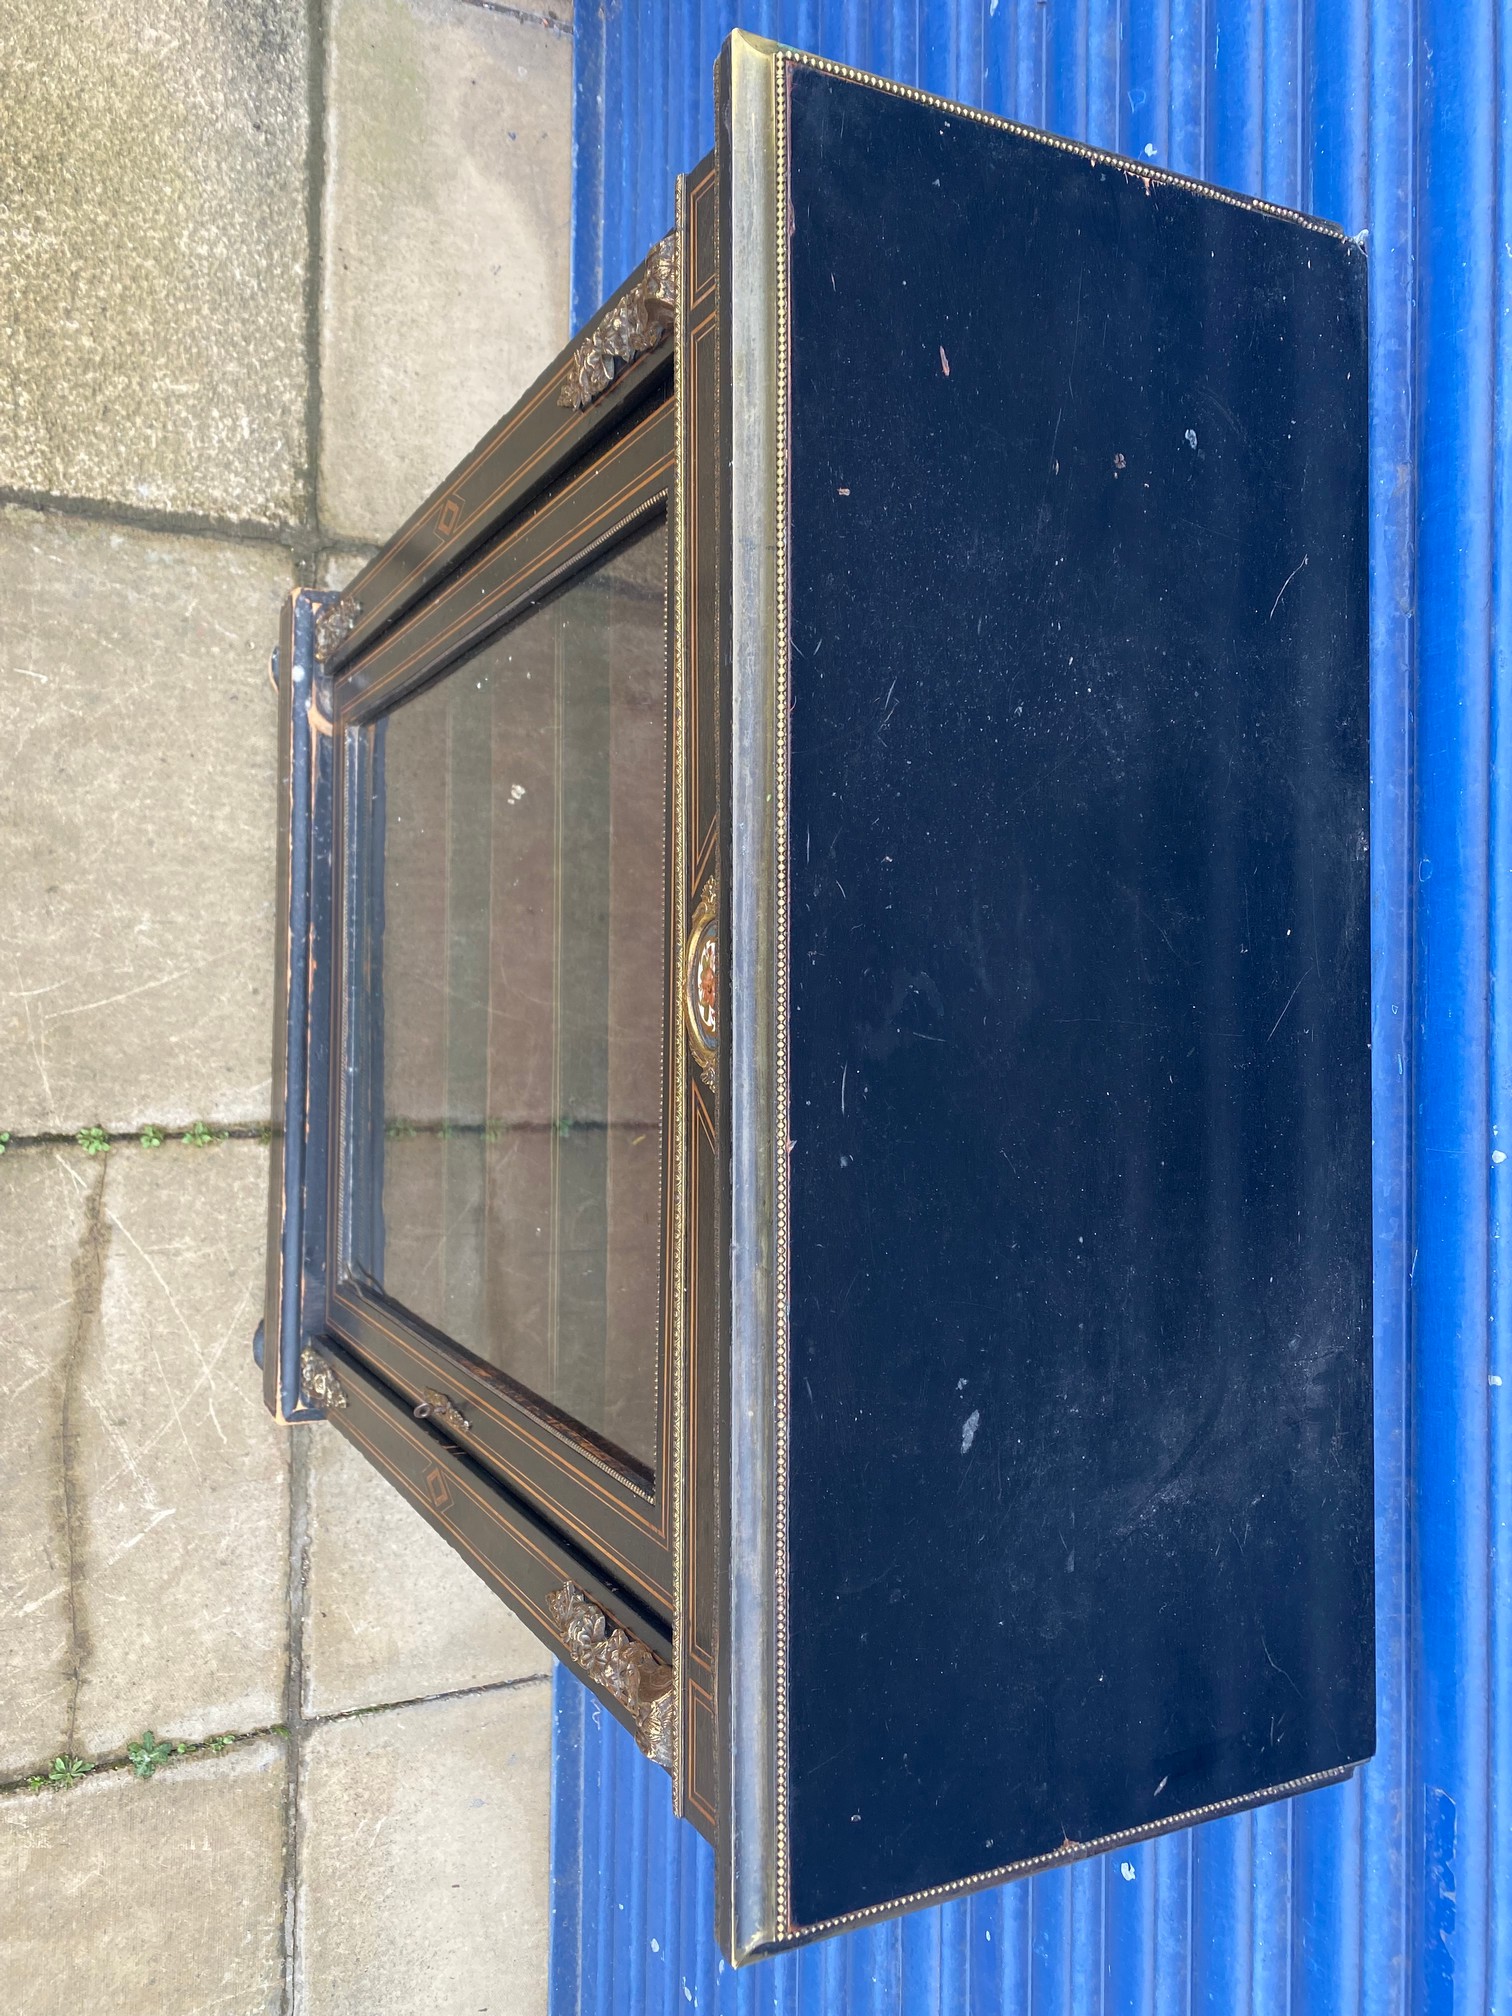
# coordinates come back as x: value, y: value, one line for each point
x: 628, y: 1670
x: 641, y: 320
x: 334, y: 624
x: 318, y: 1384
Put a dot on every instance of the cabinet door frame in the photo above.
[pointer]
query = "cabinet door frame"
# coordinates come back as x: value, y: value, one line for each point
x: 565, y: 1472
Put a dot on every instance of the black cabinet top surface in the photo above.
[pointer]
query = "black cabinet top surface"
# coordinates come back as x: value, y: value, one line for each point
x: 1079, y: 1447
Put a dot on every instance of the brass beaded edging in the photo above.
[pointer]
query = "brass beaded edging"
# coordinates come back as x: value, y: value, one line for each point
x: 1136, y: 171
x: 680, y: 1483
x: 752, y: 1592
x: 782, y: 1116
x: 1074, y: 1851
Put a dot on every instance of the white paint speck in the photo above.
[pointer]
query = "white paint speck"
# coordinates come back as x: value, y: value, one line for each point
x: 1126, y: 1870
x: 1493, y: 1379
x: 656, y: 1945
x: 969, y: 1427
x: 516, y: 793
x: 1498, y: 1156
x: 1190, y: 437
x: 1150, y: 150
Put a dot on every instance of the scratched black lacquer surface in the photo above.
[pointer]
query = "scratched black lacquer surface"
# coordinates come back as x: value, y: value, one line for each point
x: 1080, y: 1271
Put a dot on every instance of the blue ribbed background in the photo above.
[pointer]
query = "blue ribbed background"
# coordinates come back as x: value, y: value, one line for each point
x: 1393, y: 1893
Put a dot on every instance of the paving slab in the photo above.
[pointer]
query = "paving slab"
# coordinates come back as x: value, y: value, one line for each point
x: 392, y: 1612
x: 136, y: 825
x: 155, y: 1898
x: 145, y: 1490
x: 154, y: 248
x: 338, y: 565
x: 423, y: 1858
x: 446, y: 230
x: 49, y: 1203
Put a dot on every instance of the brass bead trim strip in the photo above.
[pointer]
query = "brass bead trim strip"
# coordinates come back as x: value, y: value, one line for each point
x: 1073, y: 1851
x: 1136, y: 171
x: 676, y: 1274
x: 753, y: 437
x: 782, y: 1115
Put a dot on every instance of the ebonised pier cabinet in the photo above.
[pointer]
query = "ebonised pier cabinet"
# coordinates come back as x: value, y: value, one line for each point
x: 822, y: 1053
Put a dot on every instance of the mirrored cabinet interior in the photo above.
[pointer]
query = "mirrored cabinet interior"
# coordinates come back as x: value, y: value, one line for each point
x: 822, y: 1050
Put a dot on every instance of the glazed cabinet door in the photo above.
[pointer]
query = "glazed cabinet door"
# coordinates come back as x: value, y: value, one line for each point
x: 502, y: 1115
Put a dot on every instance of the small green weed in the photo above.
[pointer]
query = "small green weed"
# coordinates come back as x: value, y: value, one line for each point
x: 217, y: 1744
x: 4, y: 1141
x: 146, y: 1754
x: 93, y: 1140
x: 65, y: 1770
x: 152, y: 1137
x: 197, y: 1136
x: 399, y: 1130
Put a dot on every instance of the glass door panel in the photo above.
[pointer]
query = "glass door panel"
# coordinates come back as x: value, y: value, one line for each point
x: 515, y: 963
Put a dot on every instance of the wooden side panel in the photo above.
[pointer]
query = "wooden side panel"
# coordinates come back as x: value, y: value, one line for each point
x: 295, y: 1278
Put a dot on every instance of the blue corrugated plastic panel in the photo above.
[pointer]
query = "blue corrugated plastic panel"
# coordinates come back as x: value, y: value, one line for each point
x: 1392, y: 1893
